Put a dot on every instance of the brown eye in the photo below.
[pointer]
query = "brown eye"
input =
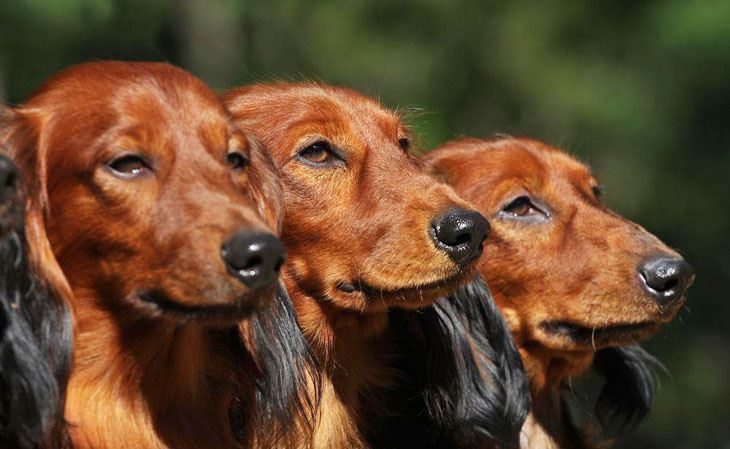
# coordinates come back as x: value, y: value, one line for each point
x: 320, y: 154
x: 129, y: 166
x: 405, y: 143
x: 523, y: 208
x: 597, y: 190
x: 237, y: 160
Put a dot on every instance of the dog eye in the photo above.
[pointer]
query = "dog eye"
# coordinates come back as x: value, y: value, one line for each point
x: 523, y: 207
x: 129, y: 166
x: 597, y: 190
x: 405, y: 143
x: 237, y: 160
x: 319, y: 154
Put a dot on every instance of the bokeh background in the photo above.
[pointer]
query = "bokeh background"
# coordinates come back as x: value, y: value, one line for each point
x: 639, y: 89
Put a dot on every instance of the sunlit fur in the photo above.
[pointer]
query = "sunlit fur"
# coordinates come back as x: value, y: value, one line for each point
x: 576, y: 270
x: 35, y: 331
x: 363, y: 222
x: 198, y: 374
x: 467, y: 387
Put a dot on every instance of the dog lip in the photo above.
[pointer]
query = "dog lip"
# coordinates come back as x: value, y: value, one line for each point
x: 370, y: 290
x: 605, y: 334
x: 168, y: 306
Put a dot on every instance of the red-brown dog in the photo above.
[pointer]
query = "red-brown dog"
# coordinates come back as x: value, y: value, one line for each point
x: 160, y: 212
x: 365, y: 229
x: 570, y: 276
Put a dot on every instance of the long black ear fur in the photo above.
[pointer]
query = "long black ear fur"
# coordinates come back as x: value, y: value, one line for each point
x: 631, y: 382
x: 287, y: 389
x: 468, y: 385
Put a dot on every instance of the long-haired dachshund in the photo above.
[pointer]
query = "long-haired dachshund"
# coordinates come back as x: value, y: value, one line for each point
x: 160, y: 213
x: 578, y: 284
x: 35, y: 326
x: 366, y: 231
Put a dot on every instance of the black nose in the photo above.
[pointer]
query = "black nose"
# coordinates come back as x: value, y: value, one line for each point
x: 460, y: 233
x: 254, y: 257
x: 8, y: 177
x: 666, y: 278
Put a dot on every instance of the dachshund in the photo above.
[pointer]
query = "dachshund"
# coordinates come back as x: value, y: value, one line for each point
x: 35, y: 326
x: 367, y: 231
x: 579, y: 285
x: 161, y: 214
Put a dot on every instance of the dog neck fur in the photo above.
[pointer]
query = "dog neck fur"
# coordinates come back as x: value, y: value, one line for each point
x: 350, y: 347
x: 153, y: 391
x: 549, y: 424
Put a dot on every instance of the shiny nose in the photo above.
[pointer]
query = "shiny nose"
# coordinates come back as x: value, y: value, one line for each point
x: 254, y: 257
x: 666, y: 278
x: 8, y: 177
x: 461, y: 234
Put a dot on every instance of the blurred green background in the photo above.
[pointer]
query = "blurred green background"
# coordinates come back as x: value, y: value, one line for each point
x: 639, y: 89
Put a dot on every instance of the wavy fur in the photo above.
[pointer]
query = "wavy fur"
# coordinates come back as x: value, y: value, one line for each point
x: 467, y: 378
x: 35, y: 346
x: 627, y: 397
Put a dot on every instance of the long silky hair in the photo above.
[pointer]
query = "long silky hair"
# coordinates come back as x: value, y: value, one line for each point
x: 627, y: 396
x: 35, y: 342
x: 465, y: 384
x: 287, y: 380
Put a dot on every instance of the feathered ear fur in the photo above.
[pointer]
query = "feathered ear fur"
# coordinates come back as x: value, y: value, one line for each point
x: 631, y: 382
x: 288, y: 383
x: 35, y: 337
x: 467, y: 373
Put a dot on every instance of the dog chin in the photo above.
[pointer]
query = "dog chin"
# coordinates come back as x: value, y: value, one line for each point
x: 407, y: 297
x: 583, y: 336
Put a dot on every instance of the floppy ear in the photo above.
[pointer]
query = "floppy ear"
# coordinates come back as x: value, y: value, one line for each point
x: 471, y: 379
x: 44, y: 335
x: 631, y: 381
x: 20, y: 136
x: 287, y: 387
x: 264, y: 186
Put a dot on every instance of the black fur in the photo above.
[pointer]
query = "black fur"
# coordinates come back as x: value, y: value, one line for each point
x: 287, y: 383
x: 287, y: 362
x: 466, y: 386
x: 631, y: 382
x: 35, y: 341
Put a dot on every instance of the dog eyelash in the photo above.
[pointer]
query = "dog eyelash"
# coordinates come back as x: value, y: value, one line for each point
x: 523, y: 208
x: 320, y: 154
x: 129, y: 166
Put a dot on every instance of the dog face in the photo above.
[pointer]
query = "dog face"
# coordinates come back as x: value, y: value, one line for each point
x: 154, y: 199
x: 568, y: 273
x: 364, y: 226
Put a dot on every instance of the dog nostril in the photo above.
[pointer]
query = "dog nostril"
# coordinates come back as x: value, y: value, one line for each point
x: 666, y: 278
x: 460, y: 234
x: 254, y: 257
x: 252, y: 263
x: 462, y: 238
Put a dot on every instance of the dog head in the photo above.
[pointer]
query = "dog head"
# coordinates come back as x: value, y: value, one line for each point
x: 151, y: 197
x: 570, y: 275
x: 365, y: 226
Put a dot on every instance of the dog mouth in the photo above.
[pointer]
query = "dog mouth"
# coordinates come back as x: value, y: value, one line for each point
x: 615, y: 334
x: 424, y: 292
x: 158, y: 303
